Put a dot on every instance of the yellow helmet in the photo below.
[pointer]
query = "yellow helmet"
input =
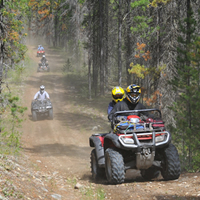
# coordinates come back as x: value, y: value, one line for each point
x: 133, y: 93
x: 118, y: 94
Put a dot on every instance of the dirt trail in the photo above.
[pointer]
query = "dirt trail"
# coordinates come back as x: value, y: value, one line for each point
x: 53, y: 141
x: 61, y: 145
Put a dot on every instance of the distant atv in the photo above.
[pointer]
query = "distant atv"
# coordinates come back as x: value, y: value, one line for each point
x: 42, y: 67
x: 134, y: 143
x: 41, y: 108
x: 40, y: 53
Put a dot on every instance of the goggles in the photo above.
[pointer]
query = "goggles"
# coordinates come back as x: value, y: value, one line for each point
x: 117, y: 96
x: 134, y: 94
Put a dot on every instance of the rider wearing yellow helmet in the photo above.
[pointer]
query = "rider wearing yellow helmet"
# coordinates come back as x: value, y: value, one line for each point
x: 118, y: 95
x: 131, y: 102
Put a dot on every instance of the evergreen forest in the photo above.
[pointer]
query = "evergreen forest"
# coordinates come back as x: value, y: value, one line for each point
x: 151, y: 43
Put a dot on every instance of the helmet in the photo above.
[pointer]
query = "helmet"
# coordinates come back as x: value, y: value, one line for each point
x: 118, y: 94
x: 42, y: 87
x: 43, y: 56
x: 133, y: 93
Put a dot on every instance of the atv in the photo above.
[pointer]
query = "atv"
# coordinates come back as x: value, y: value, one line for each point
x: 40, y: 53
x: 135, y: 142
x: 41, y: 108
x: 43, y: 67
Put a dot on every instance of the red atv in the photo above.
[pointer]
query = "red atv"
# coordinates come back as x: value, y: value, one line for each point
x: 135, y: 142
x: 40, y: 53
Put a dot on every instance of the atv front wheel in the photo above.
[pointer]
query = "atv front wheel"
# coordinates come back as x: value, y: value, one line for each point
x: 149, y: 174
x: 170, y: 164
x: 34, y: 115
x: 51, y: 114
x: 97, y: 172
x: 114, y: 166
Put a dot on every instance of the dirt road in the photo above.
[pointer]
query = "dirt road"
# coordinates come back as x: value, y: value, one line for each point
x: 62, y: 144
x: 57, y: 142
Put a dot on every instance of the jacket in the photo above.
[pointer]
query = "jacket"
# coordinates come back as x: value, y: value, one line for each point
x: 126, y: 105
x: 42, y: 96
x: 43, y: 60
x: 110, y: 106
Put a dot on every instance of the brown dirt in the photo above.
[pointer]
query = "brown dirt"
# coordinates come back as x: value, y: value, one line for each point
x: 61, y: 145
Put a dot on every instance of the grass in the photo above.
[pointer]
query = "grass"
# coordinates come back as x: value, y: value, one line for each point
x: 72, y: 181
x: 88, y: 192
x: 91, y: 193
x: 12, y: 111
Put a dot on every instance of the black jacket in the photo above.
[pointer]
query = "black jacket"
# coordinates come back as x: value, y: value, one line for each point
x: 126, y: 105
x: 43, y: 60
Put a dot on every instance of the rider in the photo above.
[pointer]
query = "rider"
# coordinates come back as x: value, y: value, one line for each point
x: 42, y: 94
x: 41, y: 48
x: 43, y: 60
x: 131, y: 102
x: 118, y: 94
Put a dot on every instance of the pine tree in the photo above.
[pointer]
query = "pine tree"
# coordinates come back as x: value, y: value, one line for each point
x: 186, y: 84
x: 67, y: 67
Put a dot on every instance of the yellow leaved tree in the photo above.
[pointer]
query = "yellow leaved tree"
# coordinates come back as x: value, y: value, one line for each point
x: 150, y: 95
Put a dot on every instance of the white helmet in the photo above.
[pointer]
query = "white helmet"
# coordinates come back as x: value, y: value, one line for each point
x: 42, y: 87
x: 43, y: 56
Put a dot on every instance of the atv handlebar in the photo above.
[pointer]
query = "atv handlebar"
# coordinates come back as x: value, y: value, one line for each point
x: 136, y: 111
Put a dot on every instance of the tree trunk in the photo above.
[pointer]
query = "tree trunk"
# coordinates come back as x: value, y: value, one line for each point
x: 101, y: 47
x: 2, y: 32
x: 55, y: 30
x: 89, y: 53
x: 188, y: 40
x: 106, y: 45
x: 119, y: 44
x: 95, y: 54
x: 128, y: 42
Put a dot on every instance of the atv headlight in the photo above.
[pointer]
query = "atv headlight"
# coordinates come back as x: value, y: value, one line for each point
x: 160, y: 138
x: 128, y: 140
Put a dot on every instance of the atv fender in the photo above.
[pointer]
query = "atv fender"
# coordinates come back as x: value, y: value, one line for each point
x: 96, y: 142
x: 111, y: 139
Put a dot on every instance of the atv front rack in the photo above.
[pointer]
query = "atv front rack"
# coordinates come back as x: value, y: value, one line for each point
x: 149, y: 139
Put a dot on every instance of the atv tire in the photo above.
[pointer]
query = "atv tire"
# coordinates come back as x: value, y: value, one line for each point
x: 97, y: 172
x: 170, y: 164
x: 114, y: 166
x: 149, y: 174
x: 51, y: 114
x: 34, y: 115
